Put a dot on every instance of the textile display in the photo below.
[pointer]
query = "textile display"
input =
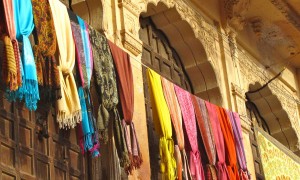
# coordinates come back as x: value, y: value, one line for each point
x: 68, y: 107
x: 278, y: 162
x: 126, y: 94
x: 105, y: 78
x: 239, y: 146
x: 24, y: 25
x: 231, y: 159
x: 219, y: 141
x: 44, y: 51
x: 206, y: 134
x: 176, y: 118
x: 162, y: 124
x: 188, y: 115
x: 14, y: 83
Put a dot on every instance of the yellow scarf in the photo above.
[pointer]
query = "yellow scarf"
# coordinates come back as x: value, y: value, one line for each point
x: 69, y: 110
x: 9, y: 67
x: 163, y: 126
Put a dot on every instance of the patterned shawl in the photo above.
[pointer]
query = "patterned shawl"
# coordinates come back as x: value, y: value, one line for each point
x: 176, y: 118
x: 44, y: 51
x: 188, y: 114
x: 238, y: 139
x: 163, y: 126
x: 126, y: 94
x: 105, y: 80
x: 68, y: 106
x: 12, y: 59
x: 206, y: 134
x: 219, y: 141
x: 24, y: 26
x: 231, y: 158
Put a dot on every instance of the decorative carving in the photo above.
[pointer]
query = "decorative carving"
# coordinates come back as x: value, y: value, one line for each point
x: 235, y: 11
x: 257, y: 24
x: 131, y: 43
x: 252, y: 72
x: 288, y: 12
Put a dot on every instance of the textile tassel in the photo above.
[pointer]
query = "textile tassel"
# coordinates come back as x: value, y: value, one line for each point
x: 120, y: 141
x: 9, y: 68
x: 137, y: 156
x: 102, y: 123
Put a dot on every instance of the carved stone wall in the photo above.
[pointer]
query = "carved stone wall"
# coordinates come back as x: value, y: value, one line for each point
x: 252, y: 72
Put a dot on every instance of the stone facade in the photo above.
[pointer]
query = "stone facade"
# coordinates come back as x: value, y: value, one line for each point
x: 231, y: 68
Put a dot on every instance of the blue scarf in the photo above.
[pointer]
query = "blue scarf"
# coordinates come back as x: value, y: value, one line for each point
x: 86, y: 48
x: 23, y: 17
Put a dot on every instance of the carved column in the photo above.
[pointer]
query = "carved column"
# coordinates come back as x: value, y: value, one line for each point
x: 129, y: 14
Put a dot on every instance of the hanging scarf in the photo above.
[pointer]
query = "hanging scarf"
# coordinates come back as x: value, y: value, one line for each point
x: 105, y: 80
x: 219, y: 141
x: 9, y: 17
x: 231, y: 159
x: 206, y: 134
x: 162, y: 123
x: 24, y: 26
x: 176, y: 118
x: 239, y: 146
x: 126, y: 94
x: 68, y: 106
x: 80, y: 55
x: 44, y: 51
x: 189, y: 120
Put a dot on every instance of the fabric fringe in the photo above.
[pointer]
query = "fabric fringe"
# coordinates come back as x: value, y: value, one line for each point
x: 31, y: 94
x: 102, y: 123
x: 67, y: 122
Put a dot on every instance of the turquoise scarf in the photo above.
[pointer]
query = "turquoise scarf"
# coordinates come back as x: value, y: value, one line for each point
x: 23, y: 17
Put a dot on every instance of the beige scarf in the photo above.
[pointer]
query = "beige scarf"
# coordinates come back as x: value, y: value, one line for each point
x: 69, y: 110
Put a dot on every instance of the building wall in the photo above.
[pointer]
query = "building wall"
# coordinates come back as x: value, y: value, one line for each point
x: 231, y: 72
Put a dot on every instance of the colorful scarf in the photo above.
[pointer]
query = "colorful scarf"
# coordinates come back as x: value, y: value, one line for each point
x: 24, y: 26
x: 162, y: 123
x: 44, y: 51
x: 188, y: 114
x: 219, y: 141
x: 105, y: 80
x: 206, y: 134
x: 9, y: 18
x: 68, y: 106
x: 176, y: 117
x: 238, y: 139
x: 126, y: 94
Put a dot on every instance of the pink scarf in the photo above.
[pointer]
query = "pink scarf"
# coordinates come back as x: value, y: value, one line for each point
x: 219, y: 140
x: 189, y: 120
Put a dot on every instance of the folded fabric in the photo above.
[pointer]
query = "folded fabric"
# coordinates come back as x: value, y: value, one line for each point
x: 68, y: 107
x: 44, y: 51
x: 10, y: 26
x: 162, y: 123
x: 24, y: 26
x: 105, y: 79
x: 126, y: 94
x: 188, y: 115
x: 206, y: 134
x: 219, y: 141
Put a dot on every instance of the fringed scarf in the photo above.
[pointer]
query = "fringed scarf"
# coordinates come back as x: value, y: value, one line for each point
x: 219, y: 141
x: 24, y: 25
x: 68, y: 107
x: 13, y: 79
x: 231, y: 158
x: 126, y: 94
x: 176, y: 118
x: 239, y: 145
x: 163, y: 126
x: 106, y: 81
x: 188, y: 114
x: 44, y: 51
x: 207, y: 136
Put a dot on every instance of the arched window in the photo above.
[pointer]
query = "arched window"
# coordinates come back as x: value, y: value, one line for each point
x: 160, y: 56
